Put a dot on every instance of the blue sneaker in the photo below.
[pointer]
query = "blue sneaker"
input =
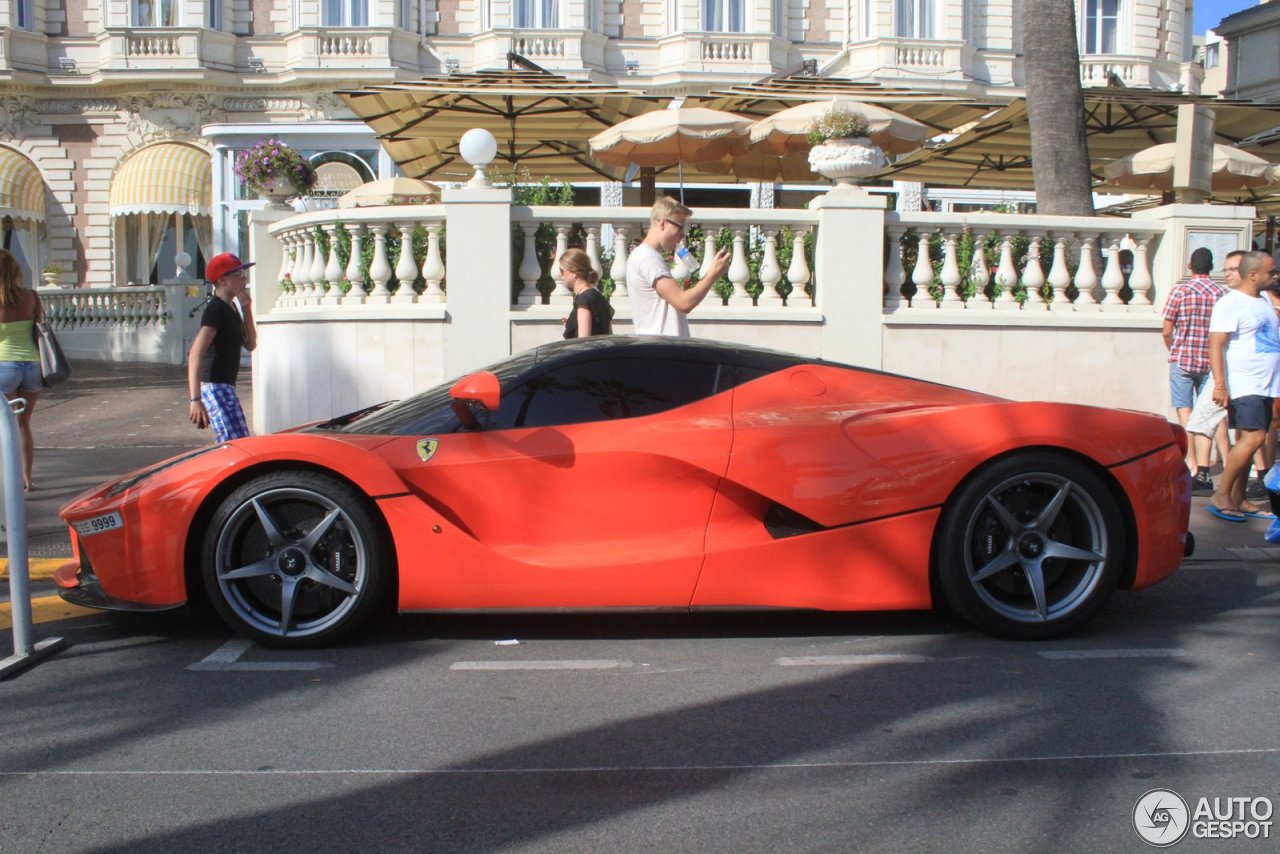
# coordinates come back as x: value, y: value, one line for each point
x: 1273, y: 532
x: 1272, y: 480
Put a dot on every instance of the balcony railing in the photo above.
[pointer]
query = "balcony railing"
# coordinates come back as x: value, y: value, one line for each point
x: 134, y: 49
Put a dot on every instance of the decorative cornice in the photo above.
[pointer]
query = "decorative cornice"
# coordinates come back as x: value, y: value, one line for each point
x: 262, y: 105
x: 76, y: 106
x: 168, y: 115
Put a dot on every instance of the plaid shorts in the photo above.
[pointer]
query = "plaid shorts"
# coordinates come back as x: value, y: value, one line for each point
x: 225, y: 415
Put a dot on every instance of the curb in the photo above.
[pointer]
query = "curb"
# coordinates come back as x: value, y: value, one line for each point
x: 38, y: 568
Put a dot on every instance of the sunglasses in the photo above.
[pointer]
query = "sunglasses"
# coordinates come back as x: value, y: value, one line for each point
x: 678, y: 226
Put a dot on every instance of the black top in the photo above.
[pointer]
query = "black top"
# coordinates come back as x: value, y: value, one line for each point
x: 222, y: 363
x: 601, y: 313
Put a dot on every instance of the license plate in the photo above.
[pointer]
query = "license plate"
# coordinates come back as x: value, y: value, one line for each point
x: 99, y: 524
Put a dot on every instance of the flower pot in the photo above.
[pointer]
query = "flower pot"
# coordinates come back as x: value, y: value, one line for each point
x: 847, y: 160
x: 50, y: 279
x: 276, y: 191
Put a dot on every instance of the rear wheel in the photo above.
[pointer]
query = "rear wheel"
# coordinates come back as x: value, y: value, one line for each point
x: 295, y: 559
x: 1031, y: 547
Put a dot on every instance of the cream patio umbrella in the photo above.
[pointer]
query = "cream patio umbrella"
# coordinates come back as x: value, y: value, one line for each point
x: 1151, y: 169
x: 757, y: 166
x: 390, y: 191
x: 787, y: 131
x: 995, y: 152
x: 541, y: 121
x: 671, y: 137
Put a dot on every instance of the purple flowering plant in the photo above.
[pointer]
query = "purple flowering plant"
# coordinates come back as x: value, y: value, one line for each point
x: 268, y: 160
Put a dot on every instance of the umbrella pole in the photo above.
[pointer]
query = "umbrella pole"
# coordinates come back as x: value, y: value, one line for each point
x: 648, y: 186
x: 680, y: 169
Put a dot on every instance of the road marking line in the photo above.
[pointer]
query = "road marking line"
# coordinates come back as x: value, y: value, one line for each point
x: 227, y: 657
x: 1115, y: 653
x: 551, y: 664
x: 634, y: 769
x: 845, y: 660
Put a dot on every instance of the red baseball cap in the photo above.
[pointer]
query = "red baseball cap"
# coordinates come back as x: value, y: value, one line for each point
x: 224, y: 265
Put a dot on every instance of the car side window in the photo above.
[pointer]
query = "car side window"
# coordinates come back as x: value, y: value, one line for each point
x: 603, y: 390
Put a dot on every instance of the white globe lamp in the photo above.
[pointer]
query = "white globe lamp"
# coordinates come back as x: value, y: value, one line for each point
x: 478, y: 148
x: 181, y: 262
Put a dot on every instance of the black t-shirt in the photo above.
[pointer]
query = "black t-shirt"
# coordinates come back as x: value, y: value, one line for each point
x: 222, y: 361
x: 601, y: 314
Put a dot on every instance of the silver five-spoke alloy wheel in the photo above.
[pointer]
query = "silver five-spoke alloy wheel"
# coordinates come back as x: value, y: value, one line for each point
x: 1031, y: 547
x: 294, y: 559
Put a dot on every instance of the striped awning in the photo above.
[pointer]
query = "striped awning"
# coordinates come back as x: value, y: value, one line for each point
x: 168, y: 178
x: 21, y: 187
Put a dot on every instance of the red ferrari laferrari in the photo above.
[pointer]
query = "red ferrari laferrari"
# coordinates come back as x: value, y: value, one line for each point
x: 627, y: 472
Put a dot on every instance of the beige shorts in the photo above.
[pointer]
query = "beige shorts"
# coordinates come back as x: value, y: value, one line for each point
x: 1206, y: 414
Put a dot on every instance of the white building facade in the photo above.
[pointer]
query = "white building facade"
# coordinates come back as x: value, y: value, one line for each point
x: 119, y: 119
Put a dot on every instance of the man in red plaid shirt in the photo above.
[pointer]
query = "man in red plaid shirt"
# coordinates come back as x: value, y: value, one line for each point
x: 1186, y: 334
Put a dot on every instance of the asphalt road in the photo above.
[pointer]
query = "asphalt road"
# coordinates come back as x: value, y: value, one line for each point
x: 738, y: 732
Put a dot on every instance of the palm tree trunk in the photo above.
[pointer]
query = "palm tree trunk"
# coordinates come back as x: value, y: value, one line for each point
x: 1055, y: 108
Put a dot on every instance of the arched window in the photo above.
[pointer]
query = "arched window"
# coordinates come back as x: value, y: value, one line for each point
x: 153, y: 13
x: 724, y: 16
x: 1101, y: 26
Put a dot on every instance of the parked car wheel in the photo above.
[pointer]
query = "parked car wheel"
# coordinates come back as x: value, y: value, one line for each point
x: 295, y: 559
x: 1031, y: 547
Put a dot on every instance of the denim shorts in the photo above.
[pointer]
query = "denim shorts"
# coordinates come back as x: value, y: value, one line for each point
x: 20, y: 376
x: 1184, y: 386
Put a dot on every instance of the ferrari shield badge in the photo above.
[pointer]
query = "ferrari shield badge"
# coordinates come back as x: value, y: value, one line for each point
x: 427, y: 448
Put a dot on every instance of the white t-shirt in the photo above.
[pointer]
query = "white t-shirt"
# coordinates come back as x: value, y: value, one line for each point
x: 1253, y: 350
x: 650, y: 313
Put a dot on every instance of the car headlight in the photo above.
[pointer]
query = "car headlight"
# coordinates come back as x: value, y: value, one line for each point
x: 137, y: 477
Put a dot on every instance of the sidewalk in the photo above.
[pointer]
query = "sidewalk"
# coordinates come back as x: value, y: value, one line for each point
x: 108, y: 419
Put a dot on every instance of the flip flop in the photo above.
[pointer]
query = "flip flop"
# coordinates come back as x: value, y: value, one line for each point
x: 1259, y: 514
x: 1226, y: 515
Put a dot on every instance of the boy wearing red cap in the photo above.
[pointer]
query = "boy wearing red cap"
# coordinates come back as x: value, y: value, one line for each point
x: 214, y: 361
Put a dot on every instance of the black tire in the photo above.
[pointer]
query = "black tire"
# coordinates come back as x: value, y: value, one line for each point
x: 295, y: 559
x: 1030, y: 547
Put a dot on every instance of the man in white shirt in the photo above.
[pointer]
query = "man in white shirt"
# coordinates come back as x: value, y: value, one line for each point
x: 659, y: 304
x: 1244, y: 357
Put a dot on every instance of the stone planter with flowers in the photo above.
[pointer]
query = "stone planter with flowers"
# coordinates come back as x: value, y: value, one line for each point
x: 841, y: 150
x: 274, y: 171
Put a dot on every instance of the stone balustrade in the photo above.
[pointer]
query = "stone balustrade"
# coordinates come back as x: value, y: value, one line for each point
x: 78, y: 308
x: 149, y: 323
x: 367, y: 256
x: 1069, y: 265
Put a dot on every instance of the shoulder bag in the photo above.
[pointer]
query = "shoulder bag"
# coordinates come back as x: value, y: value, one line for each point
x: 54, y: 366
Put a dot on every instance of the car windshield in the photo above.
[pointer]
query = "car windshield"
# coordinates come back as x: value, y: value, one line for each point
x: 430, y: 411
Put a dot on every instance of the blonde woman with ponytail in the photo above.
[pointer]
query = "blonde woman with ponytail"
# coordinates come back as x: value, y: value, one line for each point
x: 592, y: 314
x: 19, y: 358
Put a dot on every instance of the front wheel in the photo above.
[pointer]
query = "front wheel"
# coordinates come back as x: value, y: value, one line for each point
x: 295, y: 559
x: 1031, y: 547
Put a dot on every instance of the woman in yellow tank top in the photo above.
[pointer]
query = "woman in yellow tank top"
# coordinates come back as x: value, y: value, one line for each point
x: 19, y: 359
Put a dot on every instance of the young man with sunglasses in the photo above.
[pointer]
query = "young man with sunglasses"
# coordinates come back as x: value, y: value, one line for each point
x: 659, y: 304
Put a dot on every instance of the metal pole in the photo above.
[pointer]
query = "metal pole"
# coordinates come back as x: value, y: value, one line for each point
x: 25, y: 653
